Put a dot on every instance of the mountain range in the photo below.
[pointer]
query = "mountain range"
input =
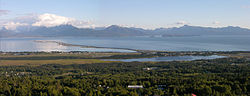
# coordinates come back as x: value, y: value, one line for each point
x: 118, y: 31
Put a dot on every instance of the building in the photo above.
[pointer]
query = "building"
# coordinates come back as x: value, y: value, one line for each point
x: 135, y: 86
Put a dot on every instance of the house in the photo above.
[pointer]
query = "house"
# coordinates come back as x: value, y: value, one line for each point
x: 150, y: 68
x: 135, y: 86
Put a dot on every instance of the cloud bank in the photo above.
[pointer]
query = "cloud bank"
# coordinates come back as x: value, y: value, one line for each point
x: 46, y: 20
x: 14, y: 25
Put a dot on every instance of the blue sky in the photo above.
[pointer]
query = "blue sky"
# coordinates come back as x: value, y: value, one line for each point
x: 138, y: 13
x: 79, y: 9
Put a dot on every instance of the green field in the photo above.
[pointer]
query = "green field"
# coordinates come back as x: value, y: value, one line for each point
x: 42, y: 62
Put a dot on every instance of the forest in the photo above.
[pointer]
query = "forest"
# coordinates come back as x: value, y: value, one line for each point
x: 218, y: 77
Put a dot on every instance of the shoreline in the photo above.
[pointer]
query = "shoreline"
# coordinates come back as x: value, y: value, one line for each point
x: 86, y: 46
x: 136, y: 50
x: 125, y: 49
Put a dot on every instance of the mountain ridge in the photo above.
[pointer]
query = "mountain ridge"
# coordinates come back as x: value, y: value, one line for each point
x: 118, y: 31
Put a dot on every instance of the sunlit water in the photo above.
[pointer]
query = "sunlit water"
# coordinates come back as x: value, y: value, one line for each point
x: 192, y: 43
x: 168, y: 58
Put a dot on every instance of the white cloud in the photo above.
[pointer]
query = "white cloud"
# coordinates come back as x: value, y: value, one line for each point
x: 50, y: 20
x: 181, y: 23
x: 47, y: 20
x: 13, y: 25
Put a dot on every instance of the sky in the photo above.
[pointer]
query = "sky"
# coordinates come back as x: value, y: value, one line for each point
x: 148, y: 14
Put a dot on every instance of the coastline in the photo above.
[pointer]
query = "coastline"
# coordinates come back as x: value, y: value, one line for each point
x: 86, y: 46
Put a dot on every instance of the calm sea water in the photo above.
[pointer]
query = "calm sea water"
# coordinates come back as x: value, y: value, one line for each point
x: 169, y: 58
x: 192, y: 43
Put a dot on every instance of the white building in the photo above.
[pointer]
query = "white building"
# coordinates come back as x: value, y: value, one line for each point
x: 135, y: 86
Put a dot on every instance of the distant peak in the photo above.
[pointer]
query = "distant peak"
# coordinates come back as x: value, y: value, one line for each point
x: 113, y: 26
x: 3, y: 28
x: 233, y: 27
x: 187, y: 25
